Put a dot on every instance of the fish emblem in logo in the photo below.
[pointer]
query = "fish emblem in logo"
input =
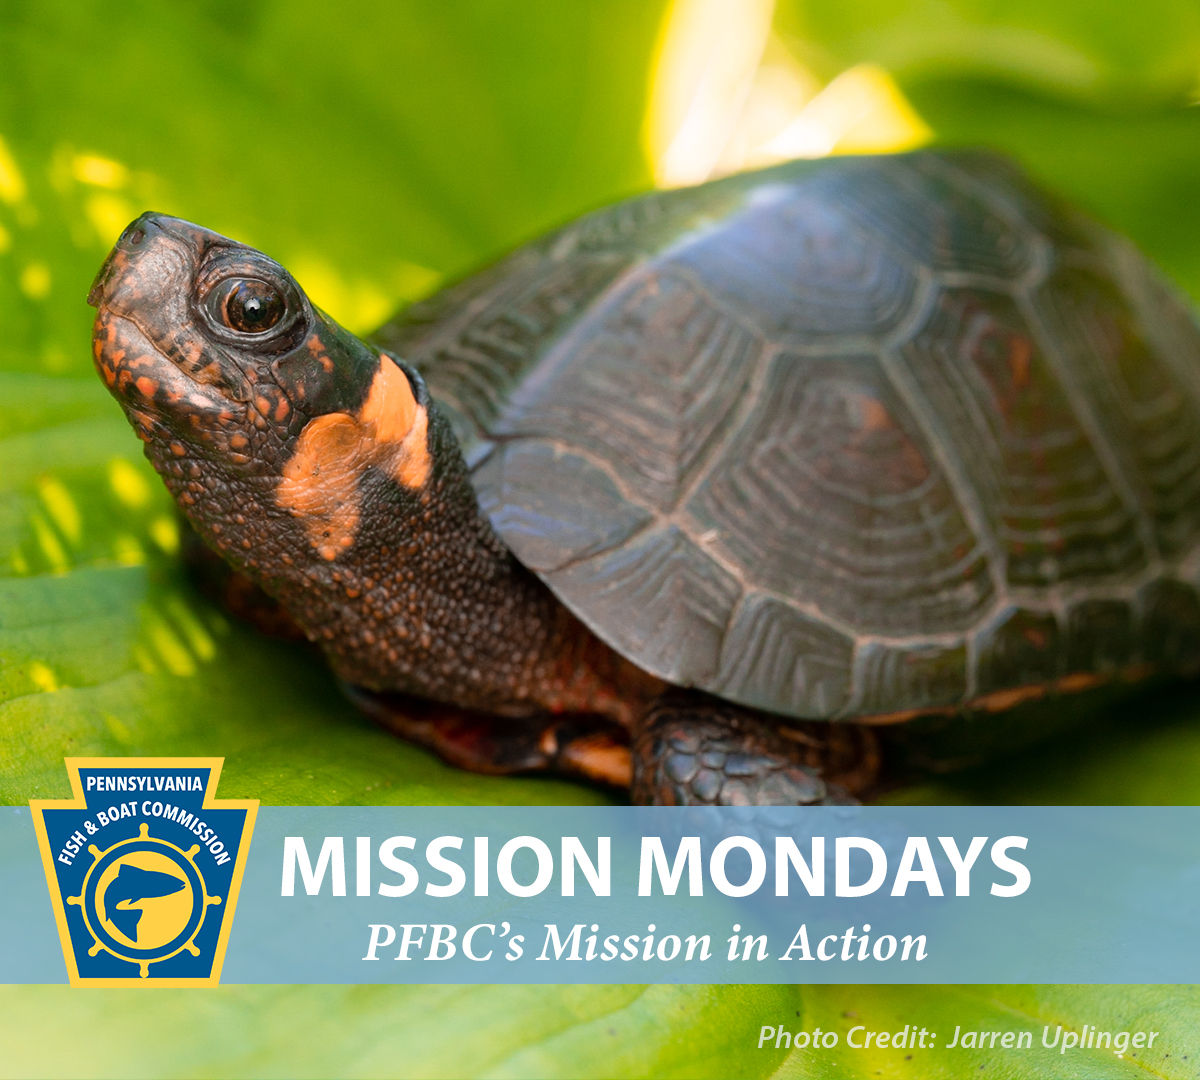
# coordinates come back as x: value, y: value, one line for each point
x: 144, y: 900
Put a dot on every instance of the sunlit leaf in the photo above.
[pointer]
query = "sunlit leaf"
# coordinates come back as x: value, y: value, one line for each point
x: 373, y: 157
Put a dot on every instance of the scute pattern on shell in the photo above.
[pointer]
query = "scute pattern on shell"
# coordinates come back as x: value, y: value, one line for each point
x: 846, y: 438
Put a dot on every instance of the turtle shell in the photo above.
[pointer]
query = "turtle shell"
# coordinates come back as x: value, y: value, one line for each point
x: 862, y: 437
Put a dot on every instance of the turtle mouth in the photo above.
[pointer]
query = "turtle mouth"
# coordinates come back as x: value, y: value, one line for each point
x: 162, y: 378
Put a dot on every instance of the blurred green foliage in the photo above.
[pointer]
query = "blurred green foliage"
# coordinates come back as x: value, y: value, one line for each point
x: 1097, y: 101
x: 377, y: 150
x: 1134, y: 55
x: 594, y: 1032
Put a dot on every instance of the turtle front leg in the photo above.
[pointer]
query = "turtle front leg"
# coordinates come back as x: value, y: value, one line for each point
x: 692, y: 749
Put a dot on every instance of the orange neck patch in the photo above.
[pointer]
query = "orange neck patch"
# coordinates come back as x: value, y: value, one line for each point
x: 397, y: 424
x: 320, y: 483
x: 390, y: 406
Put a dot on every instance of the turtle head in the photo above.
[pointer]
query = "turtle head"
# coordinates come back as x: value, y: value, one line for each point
x: 261, y: 413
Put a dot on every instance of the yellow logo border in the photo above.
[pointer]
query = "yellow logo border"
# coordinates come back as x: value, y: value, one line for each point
x: 79, y: 802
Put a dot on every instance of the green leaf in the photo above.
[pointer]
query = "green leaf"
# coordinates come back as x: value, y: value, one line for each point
x: 395, y: 147
x: 1168, y: 1010
x: 590, y: 1031
x: 1116, y: 55
x: 439, y: 1031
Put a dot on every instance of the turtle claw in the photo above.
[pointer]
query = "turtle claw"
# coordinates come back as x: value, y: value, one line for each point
x: 695, y: 750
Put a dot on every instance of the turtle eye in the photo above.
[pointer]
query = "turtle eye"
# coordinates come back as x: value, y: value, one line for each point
x: 247, y: 305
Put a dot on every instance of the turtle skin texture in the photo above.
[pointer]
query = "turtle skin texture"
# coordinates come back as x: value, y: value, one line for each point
x: 702, y: 490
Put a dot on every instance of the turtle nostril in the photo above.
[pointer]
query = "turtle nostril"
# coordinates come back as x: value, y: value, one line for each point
x: 133, y: 237
x: 138, y: 233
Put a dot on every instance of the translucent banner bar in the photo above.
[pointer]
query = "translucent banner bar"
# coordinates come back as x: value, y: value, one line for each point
x: 627, y: 894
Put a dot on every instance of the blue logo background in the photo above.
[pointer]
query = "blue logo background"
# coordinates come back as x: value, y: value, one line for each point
x: 144, y: 872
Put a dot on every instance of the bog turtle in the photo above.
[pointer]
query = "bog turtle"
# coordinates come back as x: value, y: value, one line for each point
x: 703, y: 491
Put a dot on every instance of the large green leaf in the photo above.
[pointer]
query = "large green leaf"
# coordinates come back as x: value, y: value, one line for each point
x: 1118, y: 54
x: 587, y: 1031
x: 375, y: 151
x: 395, y: 146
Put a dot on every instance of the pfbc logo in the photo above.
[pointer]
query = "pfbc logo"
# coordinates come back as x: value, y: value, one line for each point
x: 144, y: 866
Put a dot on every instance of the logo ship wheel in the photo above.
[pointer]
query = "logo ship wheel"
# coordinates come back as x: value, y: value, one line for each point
x: 160, y: 900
